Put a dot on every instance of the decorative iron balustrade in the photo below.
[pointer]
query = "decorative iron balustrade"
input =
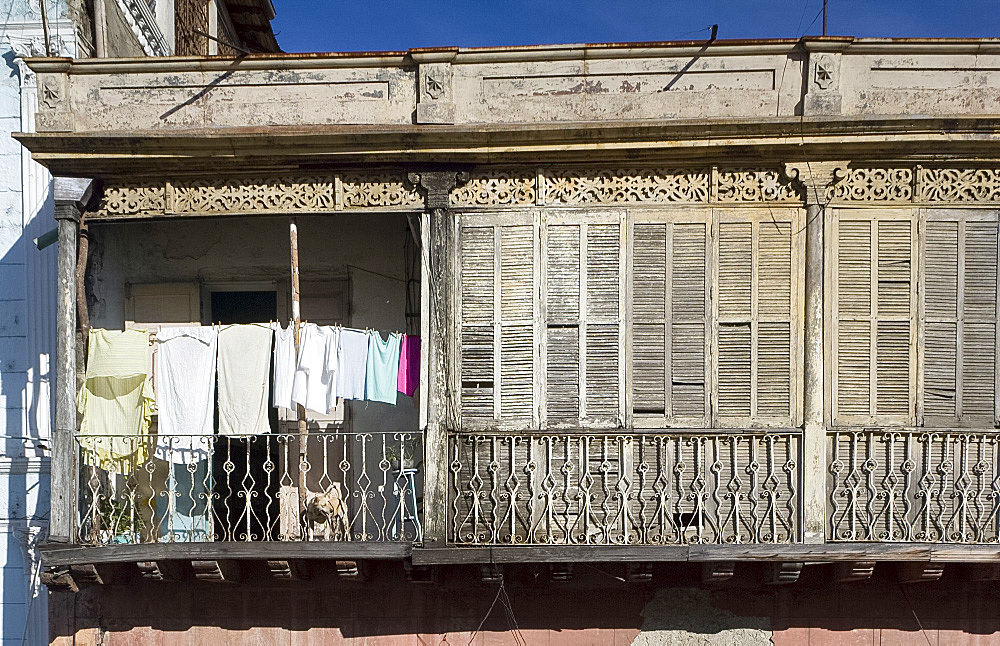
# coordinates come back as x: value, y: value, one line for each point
x: 359, y: 487
x: 624, y: 489
x: 914, y: 486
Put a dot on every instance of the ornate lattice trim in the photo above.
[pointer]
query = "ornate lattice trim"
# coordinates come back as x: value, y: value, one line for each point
x: 553, y: 186
x: 282, y: 194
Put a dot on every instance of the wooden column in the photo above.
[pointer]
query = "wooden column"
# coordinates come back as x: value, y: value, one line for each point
x: 438, y: 274
x: 815, y: 178
x: 71, y: 197
x: 300, y: 411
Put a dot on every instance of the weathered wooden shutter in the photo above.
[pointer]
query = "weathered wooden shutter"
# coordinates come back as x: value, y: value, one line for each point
x: 497, y: 308
x: 874, y: 317
x: 669, y: 318
x: 757, y: 317
x: 960, y: 317
x: 583, y: 303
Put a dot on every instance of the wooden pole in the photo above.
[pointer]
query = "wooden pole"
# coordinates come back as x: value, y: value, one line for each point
x: 293, y: 235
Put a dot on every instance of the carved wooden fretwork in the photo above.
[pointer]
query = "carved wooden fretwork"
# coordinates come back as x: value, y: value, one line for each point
x: 876, y: 184
x: 917, y: 184
x: 500, y: 187
x: 754, y: 185
x: 277, y: 195
x: 556, y: 186
x: 362, y: 190
x: 134, y: 200
x: 255, y: 194
x: 625, y: 186
x: 972, y: 185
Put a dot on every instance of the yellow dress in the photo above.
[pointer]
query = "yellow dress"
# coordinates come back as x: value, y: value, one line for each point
x: 116, y: 401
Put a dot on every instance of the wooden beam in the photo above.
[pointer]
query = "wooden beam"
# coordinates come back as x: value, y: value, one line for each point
x: 853, y: 571
x: 638, y: 572
x: 561, y: 572
x: 86, y: 574
x: 785, y: 572
x: 218, y: 571
x: 161, y: 570
x: 53, y: 555
x: 919, y: 572
x: 59, y: 579
x: 288, y: 569
x: 807, y: 553
x: 715, y: 572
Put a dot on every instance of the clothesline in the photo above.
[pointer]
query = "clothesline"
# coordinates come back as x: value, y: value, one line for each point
x: 270, y: 325
x: 331, y: 363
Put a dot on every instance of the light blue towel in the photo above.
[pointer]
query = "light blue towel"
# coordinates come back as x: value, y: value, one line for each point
x: 383, y: 368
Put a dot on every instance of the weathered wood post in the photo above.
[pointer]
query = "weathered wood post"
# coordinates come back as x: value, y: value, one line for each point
x: 71, y: 197
x: 438, y: 274
x: 300, y: 411
x: 815, y: 177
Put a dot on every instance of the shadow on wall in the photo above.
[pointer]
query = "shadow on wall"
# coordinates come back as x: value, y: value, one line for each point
x: 595, y: 607
x: 27, y: 312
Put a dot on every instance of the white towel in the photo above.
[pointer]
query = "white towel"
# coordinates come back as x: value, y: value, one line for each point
x: 284, y: 366
x: 315, y: 383
x: 185, y: 393
x: 352, y: 360
x: 244, y: 358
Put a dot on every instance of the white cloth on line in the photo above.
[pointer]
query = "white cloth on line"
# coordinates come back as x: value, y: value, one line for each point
x: 185, y: 393
x: 284, y: 366
x: 352, y: 361
x: 244, y: 359
x: 315, y: 382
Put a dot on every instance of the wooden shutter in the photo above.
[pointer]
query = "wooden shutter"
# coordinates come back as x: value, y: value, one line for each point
x: 757, y: 316
x: 498, y: 294
x: 959, y: 317
x: 874, y: 290
x: 669, y: 318
x: 583, y: 303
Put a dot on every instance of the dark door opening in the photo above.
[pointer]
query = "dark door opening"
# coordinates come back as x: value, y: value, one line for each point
x: 245, y: 494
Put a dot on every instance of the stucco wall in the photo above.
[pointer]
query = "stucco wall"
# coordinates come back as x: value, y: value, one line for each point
x: 596, y: 607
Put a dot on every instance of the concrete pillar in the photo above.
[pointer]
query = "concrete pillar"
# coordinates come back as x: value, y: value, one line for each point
x: 815, y: 178
x: 71, y: 196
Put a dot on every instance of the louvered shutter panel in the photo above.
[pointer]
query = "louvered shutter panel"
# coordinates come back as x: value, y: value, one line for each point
x: 669, y: 314
x: 960, y: 301
x: 563, y: 323
x: 756, y: 317
x: 516, y: 330
x: 603, y: 326
x: 583, y: 323
x: 874, y: 317
x: 497, y: 306
x: 478, y: 247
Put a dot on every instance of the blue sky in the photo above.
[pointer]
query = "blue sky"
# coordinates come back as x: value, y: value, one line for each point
x: 352, y: 25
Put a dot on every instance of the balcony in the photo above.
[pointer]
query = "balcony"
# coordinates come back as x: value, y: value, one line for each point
x: 924, y: 486
x: 624, y: 489
x: 360, y: 488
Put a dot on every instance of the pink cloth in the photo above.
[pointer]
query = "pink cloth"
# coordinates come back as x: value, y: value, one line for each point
x: 409, y: 365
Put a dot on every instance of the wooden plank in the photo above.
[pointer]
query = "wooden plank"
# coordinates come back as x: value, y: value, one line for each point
x: 320, y: 550
x: 806, y: 553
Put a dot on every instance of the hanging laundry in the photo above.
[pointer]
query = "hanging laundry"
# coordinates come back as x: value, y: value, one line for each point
x: 116, y: 400
x: 383, y: 368
x: 315, y: 382
x: 244, y: 357
x: 352, y: 363
x: 185, y: 392
x: 284, y: 366
x: 409, y: 365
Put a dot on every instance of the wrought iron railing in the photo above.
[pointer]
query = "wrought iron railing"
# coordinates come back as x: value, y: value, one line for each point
x: 359, y: 487
x: 914, y: 486
x: 624, y: 489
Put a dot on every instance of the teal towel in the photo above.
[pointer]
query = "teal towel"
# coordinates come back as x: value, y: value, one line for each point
x: 383, y: 368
